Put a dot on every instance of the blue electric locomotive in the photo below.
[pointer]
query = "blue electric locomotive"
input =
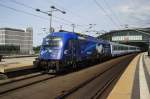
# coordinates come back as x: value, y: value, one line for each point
x: 66, y: 49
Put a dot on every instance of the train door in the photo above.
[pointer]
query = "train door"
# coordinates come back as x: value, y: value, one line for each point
x: 71, y: 50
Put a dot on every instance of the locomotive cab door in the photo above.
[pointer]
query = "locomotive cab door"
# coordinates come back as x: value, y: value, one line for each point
x: 71, y: 51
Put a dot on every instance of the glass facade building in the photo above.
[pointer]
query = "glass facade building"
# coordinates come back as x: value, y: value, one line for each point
x: 16, y: 41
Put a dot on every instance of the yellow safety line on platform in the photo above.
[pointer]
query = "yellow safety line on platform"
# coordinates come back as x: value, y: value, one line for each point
x: 123, y: 88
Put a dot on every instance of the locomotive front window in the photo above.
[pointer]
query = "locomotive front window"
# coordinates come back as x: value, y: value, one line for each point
x: 53, y: 42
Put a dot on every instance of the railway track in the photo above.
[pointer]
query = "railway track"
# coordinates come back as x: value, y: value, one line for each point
x: 18, y: 82
x: 99, y: 80
x: 19, y: 79
x: 24, y: 81
x: 90, y: 83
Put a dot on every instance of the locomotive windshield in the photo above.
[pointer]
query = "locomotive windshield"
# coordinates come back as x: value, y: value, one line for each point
x: 52, y: 41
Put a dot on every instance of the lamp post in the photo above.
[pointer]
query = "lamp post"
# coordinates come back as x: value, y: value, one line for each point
x: 61, y: 27
x: 73, y: 26
x: 50, y: 14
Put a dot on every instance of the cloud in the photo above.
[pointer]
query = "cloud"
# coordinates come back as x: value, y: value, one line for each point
x: 135, y: 13
x: 126, y: 9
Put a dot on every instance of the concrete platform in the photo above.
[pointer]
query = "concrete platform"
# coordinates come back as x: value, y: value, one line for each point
x: 19, y: 56
x: 14, y: 64
x: 135, y: 81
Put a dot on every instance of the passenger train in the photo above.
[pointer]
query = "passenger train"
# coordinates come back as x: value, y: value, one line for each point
x: 61, y: 50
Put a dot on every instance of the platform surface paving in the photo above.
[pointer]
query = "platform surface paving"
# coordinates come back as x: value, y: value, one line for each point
x: 14, y: 64
x: 135, y: 81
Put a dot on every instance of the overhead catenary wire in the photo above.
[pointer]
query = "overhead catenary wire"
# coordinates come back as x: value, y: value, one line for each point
x: 74, y: 14
x: 27, y: 13
x: 65, y: 21
x: 22, y: 4
x: 56, y: 18
x: 113, y: 12
x: 21, y: 11
x: 33, y: 8
x: 103, y: 9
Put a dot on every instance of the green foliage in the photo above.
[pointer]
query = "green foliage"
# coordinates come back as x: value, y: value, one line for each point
x: 36, y: 49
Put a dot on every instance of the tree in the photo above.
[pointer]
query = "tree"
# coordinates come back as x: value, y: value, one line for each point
x: 36, y: 49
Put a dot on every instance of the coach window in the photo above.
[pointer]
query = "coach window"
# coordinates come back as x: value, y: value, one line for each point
x: 115, y: 47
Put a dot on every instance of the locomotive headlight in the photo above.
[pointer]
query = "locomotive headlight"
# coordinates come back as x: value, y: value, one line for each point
x: 50, y: 51
x: 61, y: 43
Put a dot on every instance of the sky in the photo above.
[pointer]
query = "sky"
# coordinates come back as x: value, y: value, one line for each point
x: 104, y: 15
